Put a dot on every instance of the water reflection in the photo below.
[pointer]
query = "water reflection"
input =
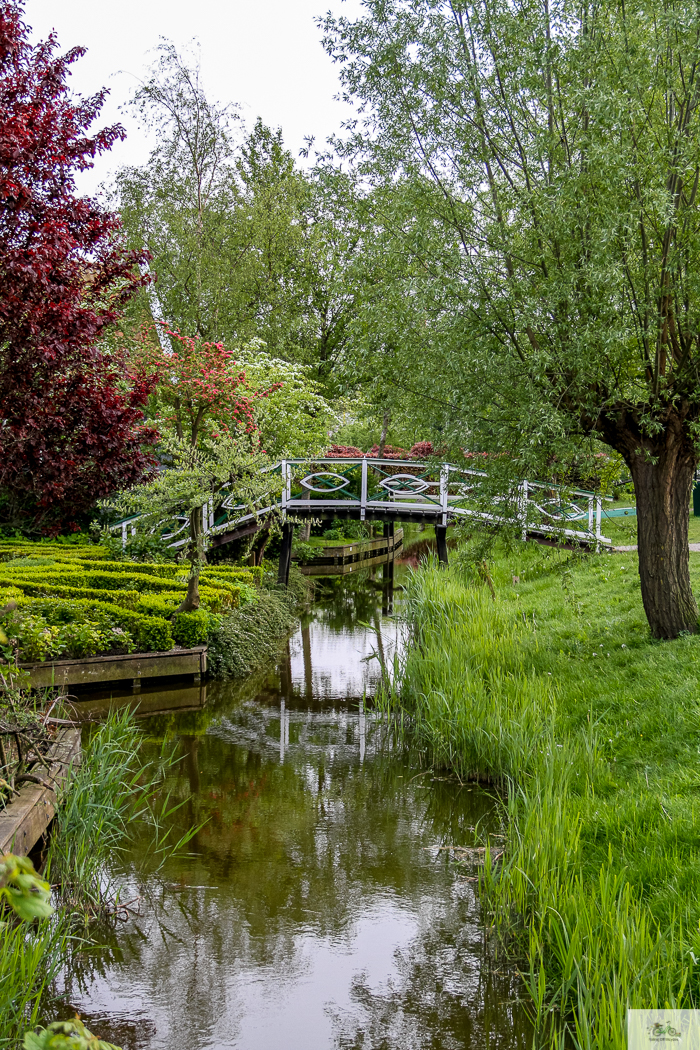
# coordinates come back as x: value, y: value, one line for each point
x: 319, y: 909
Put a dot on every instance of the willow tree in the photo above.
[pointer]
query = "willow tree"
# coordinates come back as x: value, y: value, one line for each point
x: 558, y: 144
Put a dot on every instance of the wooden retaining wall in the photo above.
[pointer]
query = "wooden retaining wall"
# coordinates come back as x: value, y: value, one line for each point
x: 134, y: 667
x: 27, y: 817
x: 343, y: 558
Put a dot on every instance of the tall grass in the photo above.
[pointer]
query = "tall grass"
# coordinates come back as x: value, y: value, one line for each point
x: 30, y: 958
x: 555, y: 691
x: 109, y: 791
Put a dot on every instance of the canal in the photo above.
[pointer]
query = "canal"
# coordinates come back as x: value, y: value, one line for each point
x: 323, y: 905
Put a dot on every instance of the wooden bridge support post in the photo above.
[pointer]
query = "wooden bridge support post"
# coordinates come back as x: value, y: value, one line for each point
x: 285, y: 553
x: 441, y: 538
x: 388, y: 566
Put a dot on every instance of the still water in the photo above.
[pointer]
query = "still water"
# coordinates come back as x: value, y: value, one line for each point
x: 322, y: 906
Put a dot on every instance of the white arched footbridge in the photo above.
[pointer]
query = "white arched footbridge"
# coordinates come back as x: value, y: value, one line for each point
x: 392, y: 490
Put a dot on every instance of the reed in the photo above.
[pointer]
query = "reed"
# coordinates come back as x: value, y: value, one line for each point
x: 111, y: 791
x: 30, y: 958
x: 555, y: 691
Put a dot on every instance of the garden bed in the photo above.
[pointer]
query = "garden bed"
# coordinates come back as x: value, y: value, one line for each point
x: 69, y: 603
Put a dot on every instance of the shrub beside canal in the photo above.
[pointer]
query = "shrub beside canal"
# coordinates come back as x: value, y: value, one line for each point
x: 555, y: 691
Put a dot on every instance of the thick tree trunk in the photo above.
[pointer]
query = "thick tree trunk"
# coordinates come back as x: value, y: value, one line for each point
x: 662, y: 488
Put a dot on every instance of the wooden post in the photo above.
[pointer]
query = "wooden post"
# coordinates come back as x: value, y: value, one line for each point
x: 285, y: 553
x: 441, y: 537
x: 363, y: 491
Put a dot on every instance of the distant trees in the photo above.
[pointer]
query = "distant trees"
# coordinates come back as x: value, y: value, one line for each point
x: 243, y: 243
x: 70, y: 414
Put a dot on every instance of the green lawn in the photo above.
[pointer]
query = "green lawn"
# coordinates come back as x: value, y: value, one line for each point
x: 556, y: 691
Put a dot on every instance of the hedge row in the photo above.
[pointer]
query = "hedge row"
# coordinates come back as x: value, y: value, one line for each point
x: 141, y: 598
x: 35, y: 576
x: 150, y: 633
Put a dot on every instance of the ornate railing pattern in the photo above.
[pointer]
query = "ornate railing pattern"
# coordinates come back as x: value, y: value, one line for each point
x: 394, y: 489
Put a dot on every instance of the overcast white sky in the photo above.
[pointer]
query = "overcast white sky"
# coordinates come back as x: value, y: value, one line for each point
x: 265, y: 56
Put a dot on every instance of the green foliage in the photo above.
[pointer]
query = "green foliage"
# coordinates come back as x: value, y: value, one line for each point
x: 22, y: 889
x: 231, y: 467
x: 142, y: 546
x: 294, y: 419
x: 304, y: 552
x: 149, y: 633
x: 192, y: 628
x: 29, y: 962
x: 556, y: 692
x: 108, y: 606
x: 251, y: 636
x: 578, y: 209
x: 32, y: 638
x: 533, y: 173
x: 65, y: 1035
x: 245, y: 245
x: 110, y: 791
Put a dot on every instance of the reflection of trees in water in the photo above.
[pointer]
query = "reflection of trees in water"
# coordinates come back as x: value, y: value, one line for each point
x: 306, y: 844
x: 441, y: 997
x: 342, y: 600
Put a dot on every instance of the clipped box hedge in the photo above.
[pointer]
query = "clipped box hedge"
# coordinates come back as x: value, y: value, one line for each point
x: 83, y: 580
x: 150, y: 633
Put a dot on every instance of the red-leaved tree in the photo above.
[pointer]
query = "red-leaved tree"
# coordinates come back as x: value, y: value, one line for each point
x: 70, y: 414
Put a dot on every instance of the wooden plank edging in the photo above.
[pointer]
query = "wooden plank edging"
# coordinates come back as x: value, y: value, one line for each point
x: 26, y: 818
x: 134, y: 666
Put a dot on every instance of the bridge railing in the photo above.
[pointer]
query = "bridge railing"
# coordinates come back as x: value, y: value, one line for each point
x: 440, y: 493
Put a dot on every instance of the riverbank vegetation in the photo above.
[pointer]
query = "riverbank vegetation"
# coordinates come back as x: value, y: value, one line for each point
x: 112, y: 791
x: 554, y: 691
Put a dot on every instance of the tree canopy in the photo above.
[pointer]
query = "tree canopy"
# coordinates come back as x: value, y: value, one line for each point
x: 71, y: 415
x: 553, y: 154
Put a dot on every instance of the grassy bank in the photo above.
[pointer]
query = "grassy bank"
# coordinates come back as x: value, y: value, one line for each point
x: 254, y: 634
x: 556, y: 691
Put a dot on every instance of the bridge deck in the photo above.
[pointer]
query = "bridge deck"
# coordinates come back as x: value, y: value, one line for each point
x: 402, y: 491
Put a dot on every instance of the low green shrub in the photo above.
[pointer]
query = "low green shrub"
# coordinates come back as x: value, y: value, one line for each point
x: 149, y: 633
x: 305, y: 552
x: 127, y: 599
x: 32, y: 639
x: 192, y: 628
x: 350, y: 530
